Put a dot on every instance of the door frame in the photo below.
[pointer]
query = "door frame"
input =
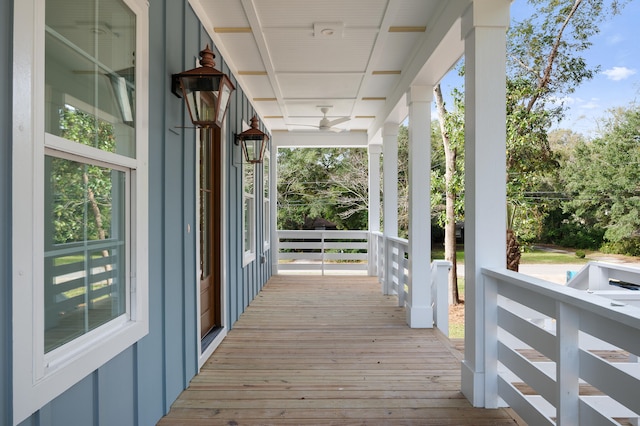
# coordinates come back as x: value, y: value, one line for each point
x: 222, y: 249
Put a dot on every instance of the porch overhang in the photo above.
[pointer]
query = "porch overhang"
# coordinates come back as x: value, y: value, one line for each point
x: 361, y: 69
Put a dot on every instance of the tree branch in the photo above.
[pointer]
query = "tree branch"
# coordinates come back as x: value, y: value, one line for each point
x: 543, y: 82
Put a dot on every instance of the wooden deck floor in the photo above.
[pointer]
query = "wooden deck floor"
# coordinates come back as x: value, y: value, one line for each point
x: 328, y: 350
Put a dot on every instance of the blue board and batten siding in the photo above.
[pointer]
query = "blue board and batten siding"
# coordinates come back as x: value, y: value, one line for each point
x: 139, y: 385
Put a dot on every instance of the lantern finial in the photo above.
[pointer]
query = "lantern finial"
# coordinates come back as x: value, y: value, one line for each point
x: 207, y: 57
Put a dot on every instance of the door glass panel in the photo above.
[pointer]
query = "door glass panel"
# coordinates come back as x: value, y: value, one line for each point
x: 205, y: 204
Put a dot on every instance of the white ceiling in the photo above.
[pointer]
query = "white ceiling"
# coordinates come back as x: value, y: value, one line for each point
x: 357, y: 56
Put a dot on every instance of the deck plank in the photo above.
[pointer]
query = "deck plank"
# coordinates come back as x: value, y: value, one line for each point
x: 328, y: 350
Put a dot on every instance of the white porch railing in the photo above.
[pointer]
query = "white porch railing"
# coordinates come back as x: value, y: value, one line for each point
x: 576, y: 326
x: 391, y: 260
x: 323, y: 250
x: 385, y: 257
x: 617, y: 282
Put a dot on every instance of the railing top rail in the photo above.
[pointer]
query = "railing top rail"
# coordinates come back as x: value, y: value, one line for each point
x: 598, y: 305
x: 333, y: 233
x: 616, y: 266
x: 398, y: 240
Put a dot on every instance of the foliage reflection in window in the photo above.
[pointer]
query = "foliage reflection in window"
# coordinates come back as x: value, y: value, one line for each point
x: 85, y: 247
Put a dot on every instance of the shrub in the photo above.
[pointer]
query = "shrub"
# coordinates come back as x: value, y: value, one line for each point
x: 560, y: 229
x: 628, y: 246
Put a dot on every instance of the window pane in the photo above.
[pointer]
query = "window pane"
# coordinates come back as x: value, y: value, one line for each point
x: 246, y: 228
x: 90, y: 73
x: 265, y: 171
x: 248, y: 212
x: 248, y: 171
x: 267, y: 222
x: 85, y: 252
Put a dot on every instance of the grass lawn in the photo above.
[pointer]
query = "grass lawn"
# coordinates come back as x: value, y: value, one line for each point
x: 539, y: 256
x: 532, y: 256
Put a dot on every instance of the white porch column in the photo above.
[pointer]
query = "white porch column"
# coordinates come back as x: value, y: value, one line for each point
x: 484, y: 26
x: 418, y: 305
x: 390, y: 184
x: 374, y: 151
x: 390, y: 192
x: 274, y: 244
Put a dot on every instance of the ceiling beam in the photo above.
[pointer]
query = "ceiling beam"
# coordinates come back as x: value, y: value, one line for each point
x: 438, y: 27
x: 315, y: 139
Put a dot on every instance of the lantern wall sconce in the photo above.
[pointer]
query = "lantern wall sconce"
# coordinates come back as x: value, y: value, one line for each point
x: 206, y: 91
x: 254, y: 143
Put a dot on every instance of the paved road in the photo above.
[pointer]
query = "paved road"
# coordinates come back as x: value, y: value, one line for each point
x: 557, y: 273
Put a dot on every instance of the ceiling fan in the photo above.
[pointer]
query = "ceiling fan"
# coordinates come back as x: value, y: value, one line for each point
x: 326, y: 124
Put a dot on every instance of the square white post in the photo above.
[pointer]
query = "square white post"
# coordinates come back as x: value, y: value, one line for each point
x: 390, y: 193
x: 418, y: 305
x: 273, y: 206
x: 374, y: 152
x: 484, y: 26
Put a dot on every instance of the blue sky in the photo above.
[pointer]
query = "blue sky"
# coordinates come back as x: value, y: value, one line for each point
x: 616, y: 49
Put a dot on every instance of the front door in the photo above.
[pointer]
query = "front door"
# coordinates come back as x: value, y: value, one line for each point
x: 210, y: 238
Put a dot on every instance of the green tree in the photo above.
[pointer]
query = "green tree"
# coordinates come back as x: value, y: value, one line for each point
x: 437, y: 164
x: 544, y: 65
x: 449, y: 184
x: 329, y: 183
x: 603, y: 181
x: 560, y: 225
x: 82, y: 193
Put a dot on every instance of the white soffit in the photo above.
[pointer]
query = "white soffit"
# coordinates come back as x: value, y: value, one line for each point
x: 356, y: 56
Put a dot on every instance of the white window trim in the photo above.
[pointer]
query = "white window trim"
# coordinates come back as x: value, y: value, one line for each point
x: 37, y: 379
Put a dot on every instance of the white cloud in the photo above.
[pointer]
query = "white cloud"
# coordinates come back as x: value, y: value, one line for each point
x: 615, y: 39
x: 618, y: 73
x: 591, y: 104
x: 566, y: 100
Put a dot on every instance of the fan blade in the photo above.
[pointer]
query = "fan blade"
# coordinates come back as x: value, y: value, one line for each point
x: 339, y: 121
x: 300, y: 125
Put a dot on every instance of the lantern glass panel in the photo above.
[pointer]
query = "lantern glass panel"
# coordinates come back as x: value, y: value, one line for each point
x: 224, y: 100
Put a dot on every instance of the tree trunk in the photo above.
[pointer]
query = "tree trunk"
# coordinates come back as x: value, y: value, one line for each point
x: 513, y: 251
x: 450, y: 200
x: 98, y: 217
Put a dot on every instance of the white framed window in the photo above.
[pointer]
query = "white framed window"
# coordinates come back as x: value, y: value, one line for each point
x: 80, y: 179
x: 266, y: 226
x: 248, y: 213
